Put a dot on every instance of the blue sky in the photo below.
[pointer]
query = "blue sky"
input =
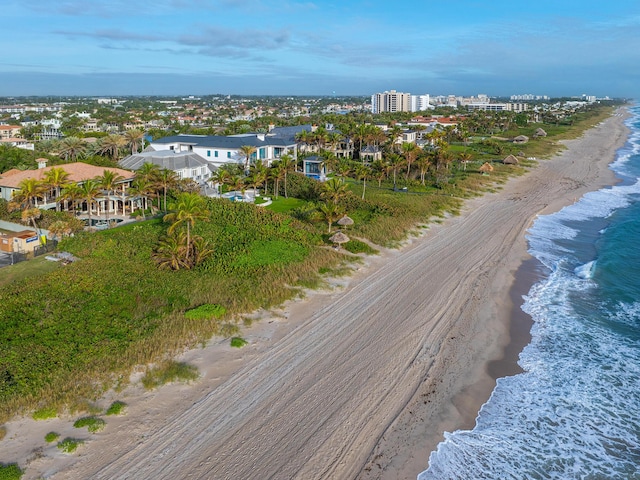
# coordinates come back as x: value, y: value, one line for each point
x: 464, y: 47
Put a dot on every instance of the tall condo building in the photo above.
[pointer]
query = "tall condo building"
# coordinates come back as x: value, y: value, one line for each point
x: 420, y: 103
x: 391, y: 101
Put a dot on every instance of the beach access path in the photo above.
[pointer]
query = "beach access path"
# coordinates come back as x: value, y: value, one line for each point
x: 362, y: 380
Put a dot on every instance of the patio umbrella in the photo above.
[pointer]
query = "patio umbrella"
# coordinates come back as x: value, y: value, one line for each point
x: 339, y: 238
x: 486, y: 168
x: 345, y: 221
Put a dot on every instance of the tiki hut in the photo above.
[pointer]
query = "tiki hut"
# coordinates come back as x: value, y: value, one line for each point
x: 521, y: 139
x: 510, y: 160
x: 486, y: 168
x: 540, y: 133
x: 345, y: 221
x: 339, y: 238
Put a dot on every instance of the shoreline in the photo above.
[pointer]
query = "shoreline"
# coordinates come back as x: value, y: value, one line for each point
x: 476, y: 389
x: 344, y: 387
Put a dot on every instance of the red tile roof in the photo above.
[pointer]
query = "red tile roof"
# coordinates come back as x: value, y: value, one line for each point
x: 78, y: 172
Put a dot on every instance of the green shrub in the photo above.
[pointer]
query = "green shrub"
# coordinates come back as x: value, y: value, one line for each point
x: 169, y: 371
x: 10, y: 471
x: 69, y: 445
x: 51, y: 437
x: 238, y: 342
x: 45, y: 413
x: 205, y: 312
x: 357, y: 246
x: 93, y: 424
x: 116, y: 408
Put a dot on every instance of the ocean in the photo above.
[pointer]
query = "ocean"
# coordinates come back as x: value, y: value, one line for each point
x: 574, y: 413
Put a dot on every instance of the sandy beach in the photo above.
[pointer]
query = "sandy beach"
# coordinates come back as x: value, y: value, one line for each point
x: 356, y: 381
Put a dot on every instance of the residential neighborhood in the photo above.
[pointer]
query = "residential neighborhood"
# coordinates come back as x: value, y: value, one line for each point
x: 98, y: 158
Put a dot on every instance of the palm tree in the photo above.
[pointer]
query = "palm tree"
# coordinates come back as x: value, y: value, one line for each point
x: 108, y: 181
x: 111, y: 145
x: 343, y: 168
x: 55, y: 179
x: 303, y: 137
x: 188, y: 208
x: 395, y: 161
x: 89, y: 191
x: 287, y: 164
x: 149, y: 173
x: 166, y: 179
x: 423, y: 162
x: 334, y: 190
x: 72, y: 148
x: 378, y: 170
x: 202, y: 249
x: 171, y: 252
x: 71, y: 193
x: 257, y: 178
x: 134, y: 138
x: 410, y: 151
x: 220, y: 177
x: 362, y: 173
x: 331, y: 212
x: 277, y: 173
x: 28, y: 193
x: 237, y: 183
x: 247, y: 152
x: 30, y: 215
x: 258, y: 175
x: 464, y: 158
x: 142, y: 188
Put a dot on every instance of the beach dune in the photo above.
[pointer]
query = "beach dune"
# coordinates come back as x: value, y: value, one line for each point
x: 360, y: 381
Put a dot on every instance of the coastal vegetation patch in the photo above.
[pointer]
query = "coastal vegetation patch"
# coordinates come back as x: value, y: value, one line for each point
x: 51, y: 437
x: 69, y: 445
x: 206, y: 312
x: 93, y: 424
x: 169, y: 371
x: 116, y: 408
x: 45, y: 413
x: 10, y: 471
x: 238, y: 342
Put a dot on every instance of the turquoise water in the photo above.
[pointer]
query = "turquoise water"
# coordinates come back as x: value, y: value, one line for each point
x: 575, y: 411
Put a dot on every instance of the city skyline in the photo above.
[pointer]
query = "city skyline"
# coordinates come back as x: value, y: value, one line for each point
x: 264, y: 47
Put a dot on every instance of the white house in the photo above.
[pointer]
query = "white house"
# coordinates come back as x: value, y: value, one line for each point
x: 218, y: 150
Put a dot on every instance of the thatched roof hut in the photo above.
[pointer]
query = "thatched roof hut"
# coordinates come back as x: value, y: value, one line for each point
x: 521, y: 139
x: 540, y: 133
x: 486, y: 168
x: 339, y: 238
x: 510, y: 160
x: 345, y: 221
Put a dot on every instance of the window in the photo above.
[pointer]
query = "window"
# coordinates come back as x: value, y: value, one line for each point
x: 208, y: 153
x: 215, y: 154
x: 228, y: 154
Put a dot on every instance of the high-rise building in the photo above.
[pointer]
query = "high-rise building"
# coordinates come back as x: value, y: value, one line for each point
x: 390, y: 101
x: 420, y: 103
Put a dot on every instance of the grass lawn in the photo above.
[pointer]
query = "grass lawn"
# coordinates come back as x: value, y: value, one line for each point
x: 27, y: 269
x: 282, y: 204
